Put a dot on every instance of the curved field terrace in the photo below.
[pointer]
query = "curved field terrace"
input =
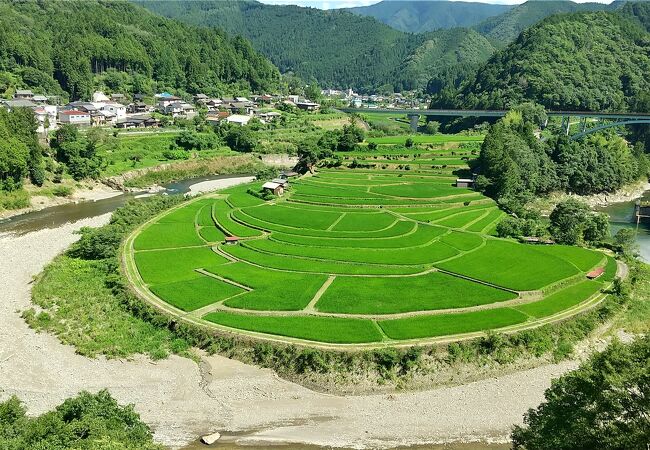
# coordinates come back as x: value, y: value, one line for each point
x: 363, y: 257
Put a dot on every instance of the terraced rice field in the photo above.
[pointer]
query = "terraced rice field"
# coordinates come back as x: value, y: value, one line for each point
x: 356, y: 257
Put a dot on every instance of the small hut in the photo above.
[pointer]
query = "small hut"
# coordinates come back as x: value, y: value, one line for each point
x: 231, y: 240
x: 276, y: 188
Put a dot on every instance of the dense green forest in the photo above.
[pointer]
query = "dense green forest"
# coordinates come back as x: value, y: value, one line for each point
x: 417, y: 16
x: 72, y: 47
x: 516, y: 167
x: 581, y: 61
x: 505, y: 27
x: 20, y: 152
x: 335, y: 47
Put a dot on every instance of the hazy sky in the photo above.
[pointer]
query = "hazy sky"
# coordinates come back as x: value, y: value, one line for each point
x: 328, y: 4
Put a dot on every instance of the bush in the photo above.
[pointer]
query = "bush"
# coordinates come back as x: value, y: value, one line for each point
x: 85, y: 421
x: 62, y: 191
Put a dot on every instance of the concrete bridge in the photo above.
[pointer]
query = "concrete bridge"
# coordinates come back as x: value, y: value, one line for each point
x: 615, y: 119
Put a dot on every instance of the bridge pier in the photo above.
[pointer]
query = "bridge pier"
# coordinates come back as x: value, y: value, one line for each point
x: 583, y: 124
x: 414, y: 118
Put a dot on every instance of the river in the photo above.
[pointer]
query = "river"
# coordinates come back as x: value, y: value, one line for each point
x: 621, y: 215
x: 56, y: 216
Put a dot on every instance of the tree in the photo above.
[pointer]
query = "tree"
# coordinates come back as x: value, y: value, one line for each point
x: 625, y: 239
x: 309, y: 153
x: 604, y: 404
x: 432, y: 127
x: 241, y: 139
x: 571, y: 222
x: 409, y: 142
x: 87, y: 421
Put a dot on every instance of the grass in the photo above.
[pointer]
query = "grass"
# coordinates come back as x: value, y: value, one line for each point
x: 195, y: 293
x: 168, y: 235
x: 313, y: 265
x: 511, y: 265
x: 164, y: 266
x: 561, y: 300
x: 82, y: 311
x: 409, y: 256
x: 14, y: 200
x: 313, y: 328
x: 396, y: 295
x: 448, y: 324
x: 272, y: 290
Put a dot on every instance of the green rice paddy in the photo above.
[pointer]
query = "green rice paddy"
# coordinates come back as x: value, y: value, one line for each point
x: 357, y: 257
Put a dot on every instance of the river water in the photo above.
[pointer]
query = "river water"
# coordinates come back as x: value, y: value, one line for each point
x: 56, y: 216
x: 621, y: 215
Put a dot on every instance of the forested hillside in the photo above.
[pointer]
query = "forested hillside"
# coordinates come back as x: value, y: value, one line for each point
x: 581, y: 61
x: 417, y: 16
x: 334, y: 47
x: 72, y: 47
x: 505, y: 27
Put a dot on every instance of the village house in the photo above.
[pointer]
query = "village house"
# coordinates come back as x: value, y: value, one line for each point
x: 137, y: 108
x: 165, y: 99
x: 240, y: 107
x: 464, y: 183
x: 307, y: 105
x: 74, y: 117
x: 39, y: 99
x: 216, y: 117
x: 139, y: 121
x: 24, y: 94
x: 99, y: 97
x: 275, y: 188
x: 269, y: 116
x: 119, y: 98
x: 45, y: 115
x: 213, y: 104
x: 180, y: 109
x: 238, y: 119
x: 117, y: 109
x: 200, y: 98
x: 18, y: 103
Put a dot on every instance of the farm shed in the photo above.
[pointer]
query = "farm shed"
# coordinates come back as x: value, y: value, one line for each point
x: 276, y: 188
x: 596, y: 273
x: 464, y: 182
x: 281, y: 181
x: 231, y: 240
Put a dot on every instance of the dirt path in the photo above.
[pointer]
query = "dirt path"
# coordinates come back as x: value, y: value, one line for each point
x: 182, y: 400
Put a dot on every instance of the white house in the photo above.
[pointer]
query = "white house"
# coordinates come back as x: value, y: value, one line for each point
x: 180, y: 109
x: 74, y: 117
x: 117, y: 109
x: 238, y: 119
x: 99, y: 96
x: 44, y: 114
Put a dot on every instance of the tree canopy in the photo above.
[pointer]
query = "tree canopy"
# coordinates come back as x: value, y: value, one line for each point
x: 604, y: 404
x: 73, y: 47
x: 593, y: 61
x: 87, y: 421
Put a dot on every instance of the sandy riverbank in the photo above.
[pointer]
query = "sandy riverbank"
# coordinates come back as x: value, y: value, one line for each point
x: 181, y: 400
x: 213, y: 185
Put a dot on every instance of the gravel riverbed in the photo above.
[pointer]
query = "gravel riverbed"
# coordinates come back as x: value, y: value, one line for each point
x: 182, y: 400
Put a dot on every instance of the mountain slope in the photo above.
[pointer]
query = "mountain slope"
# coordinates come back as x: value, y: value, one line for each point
x: 335, y: 47
x: 74, y: 46
x: 417, y: 16
x: 506, y: 27
x: 582, y: 61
